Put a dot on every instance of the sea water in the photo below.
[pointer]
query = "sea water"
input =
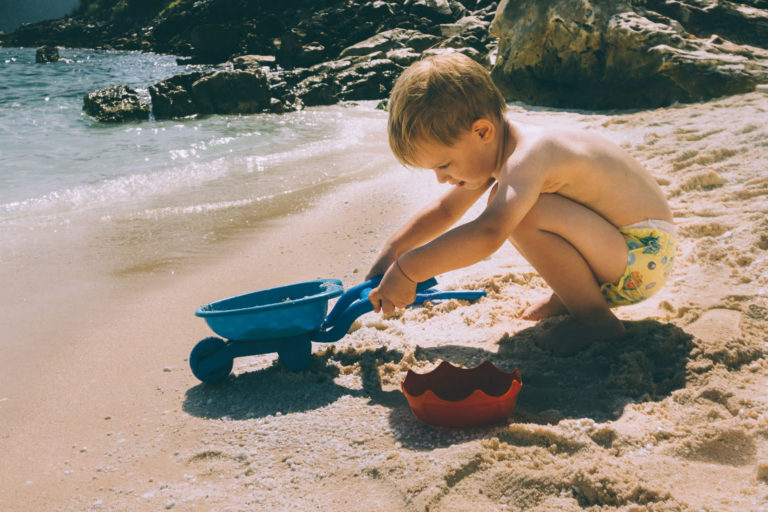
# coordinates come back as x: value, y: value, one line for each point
x: 156, y: 190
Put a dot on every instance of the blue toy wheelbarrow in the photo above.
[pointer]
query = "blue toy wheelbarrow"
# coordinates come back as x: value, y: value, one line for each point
x: 287, y: 320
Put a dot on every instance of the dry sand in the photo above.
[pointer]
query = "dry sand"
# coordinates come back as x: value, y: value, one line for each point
x: 674, y: 417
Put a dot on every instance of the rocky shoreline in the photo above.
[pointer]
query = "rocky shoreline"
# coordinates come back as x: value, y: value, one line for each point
x: 599, y: 54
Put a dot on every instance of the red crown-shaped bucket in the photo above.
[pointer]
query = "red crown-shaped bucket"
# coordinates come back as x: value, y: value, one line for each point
x: 450, y: 396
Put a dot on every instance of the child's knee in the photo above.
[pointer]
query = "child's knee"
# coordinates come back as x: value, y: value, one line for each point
x: 533, y: 221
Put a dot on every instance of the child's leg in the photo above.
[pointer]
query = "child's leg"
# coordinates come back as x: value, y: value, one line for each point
x: 574, y: 249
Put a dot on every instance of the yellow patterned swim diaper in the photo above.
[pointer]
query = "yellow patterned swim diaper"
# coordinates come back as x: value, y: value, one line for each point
x: 651, y: 246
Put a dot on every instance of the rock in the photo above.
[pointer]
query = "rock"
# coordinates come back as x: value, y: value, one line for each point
x: 733, y: 21
x: 115, y: 104
x: 609, y: 54
x: 403, y: 57
x: 389, y: 40
x: 368, y: 80
x: 420, y: 42
x: 46, y: 53
x: 232, y: 92
x: 172, y: 98
x: 469, y: 52
x: 466, y: 26
x: 318, y: 90
x: 219, y: 92
x: 214, y: 43
x: 286, y: 56
x: 295, y: 51
x: 430, y: 8
x: 250, y: 62
x: 276, y: 106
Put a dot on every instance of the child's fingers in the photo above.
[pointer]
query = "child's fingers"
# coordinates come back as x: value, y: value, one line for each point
x: 387, y: 307
x: 375, y: 298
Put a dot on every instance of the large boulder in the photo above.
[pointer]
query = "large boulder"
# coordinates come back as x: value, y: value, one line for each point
x: 232, y: 92
x: 115, y: 104
x: 609, y: 54
x: 172, y: 97
x: 220, y: 92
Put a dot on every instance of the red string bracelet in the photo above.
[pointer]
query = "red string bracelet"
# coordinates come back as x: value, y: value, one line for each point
x: 397, y: 262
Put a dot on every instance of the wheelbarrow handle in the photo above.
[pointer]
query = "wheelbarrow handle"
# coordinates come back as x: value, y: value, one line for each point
x: 356, y: 293
x: 353, y: 304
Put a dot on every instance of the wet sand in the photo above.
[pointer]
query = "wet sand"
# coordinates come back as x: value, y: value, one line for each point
x: 674, y: 417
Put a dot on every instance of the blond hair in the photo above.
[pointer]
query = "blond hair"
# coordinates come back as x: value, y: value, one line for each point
x: 436, y: 100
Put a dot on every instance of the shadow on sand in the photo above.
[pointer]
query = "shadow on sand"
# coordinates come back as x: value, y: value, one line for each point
x: 648, y: 364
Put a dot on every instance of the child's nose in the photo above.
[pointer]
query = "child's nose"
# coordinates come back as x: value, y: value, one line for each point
x: 442, y: 177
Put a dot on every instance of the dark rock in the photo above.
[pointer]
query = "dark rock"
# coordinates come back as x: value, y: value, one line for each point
x: 368, y: 80
x: 466, y: 27
x: 320, y: 89
x: 469, y: 52
x: 276, y: 106
x: 316, y: 50
x: 734, y: 21
x: 232, y: 92
x: 248, y: 62
x: 214, y: 43
x: 46, y: 54
x: 390, y: 40
x: 296, y: 51
x: 115, y: 104
x: 172, y: 98
x: 609, y: 54
x: 420, y: 42
x: 219, y: 92
x: 440, y: 9
x: 403, y: 57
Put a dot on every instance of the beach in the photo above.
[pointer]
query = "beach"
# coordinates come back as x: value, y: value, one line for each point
x: 100, y: 410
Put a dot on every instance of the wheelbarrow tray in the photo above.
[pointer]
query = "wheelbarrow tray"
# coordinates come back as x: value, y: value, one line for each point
x: 282, y: 312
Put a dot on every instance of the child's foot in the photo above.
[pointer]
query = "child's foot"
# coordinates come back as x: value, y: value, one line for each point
x: 571, y: 336
x: 551, y: 306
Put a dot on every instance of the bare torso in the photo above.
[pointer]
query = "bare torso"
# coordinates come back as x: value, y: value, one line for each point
x: 592, y: 171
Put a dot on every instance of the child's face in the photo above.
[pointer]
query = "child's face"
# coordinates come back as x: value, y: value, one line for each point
x: 469, y: 162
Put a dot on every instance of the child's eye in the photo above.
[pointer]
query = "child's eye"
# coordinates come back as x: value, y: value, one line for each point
x: 444, y: 166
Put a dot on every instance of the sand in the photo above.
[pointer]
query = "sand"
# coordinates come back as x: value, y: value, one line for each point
x: 674, y: 417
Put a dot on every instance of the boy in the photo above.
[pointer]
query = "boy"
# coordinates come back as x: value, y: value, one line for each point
x: 580, y: 209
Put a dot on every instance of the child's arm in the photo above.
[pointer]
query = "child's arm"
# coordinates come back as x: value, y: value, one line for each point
x: 463, y: 245
x: 431, y: 221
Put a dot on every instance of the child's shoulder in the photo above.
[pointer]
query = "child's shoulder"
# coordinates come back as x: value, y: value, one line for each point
x: 534, y: 140
x: 530, y: 141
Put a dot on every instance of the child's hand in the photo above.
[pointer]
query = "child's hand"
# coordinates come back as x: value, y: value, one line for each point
x: 396, y: 290
x: 382, y: 263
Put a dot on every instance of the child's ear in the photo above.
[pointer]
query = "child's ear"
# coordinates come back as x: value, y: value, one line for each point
x: 484, y: 128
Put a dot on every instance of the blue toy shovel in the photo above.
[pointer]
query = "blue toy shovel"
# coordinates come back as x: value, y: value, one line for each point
x: 287, y: 320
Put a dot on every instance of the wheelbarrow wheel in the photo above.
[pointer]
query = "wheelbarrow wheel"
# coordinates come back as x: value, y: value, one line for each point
x: 296, y: 356
x: 203, y: 350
